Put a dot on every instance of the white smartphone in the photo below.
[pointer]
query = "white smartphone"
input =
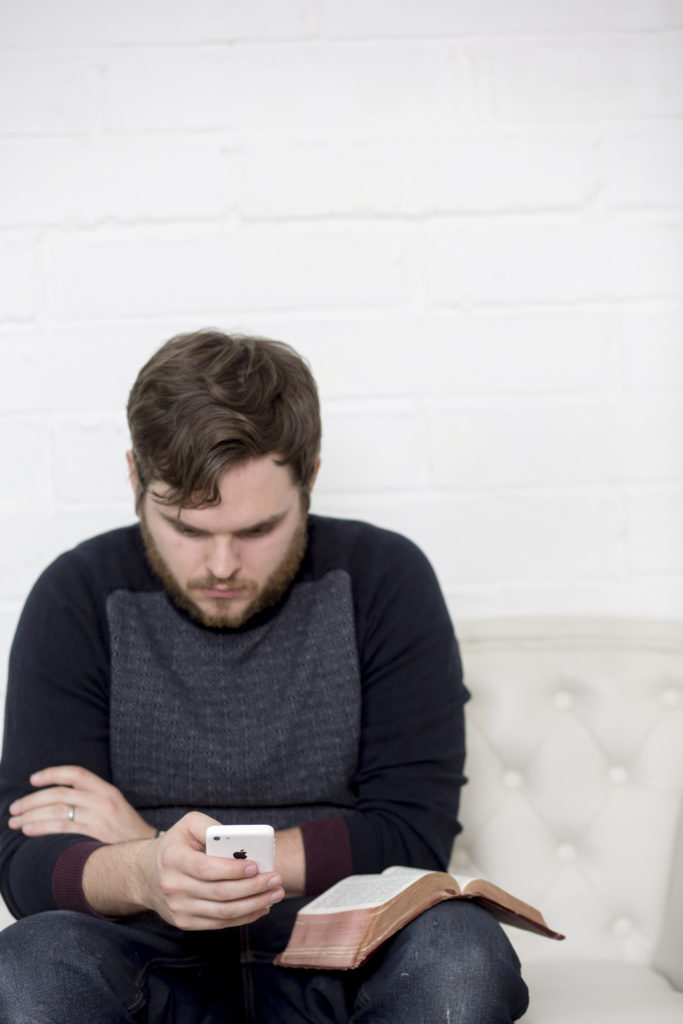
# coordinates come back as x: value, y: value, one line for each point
x: 243, y: 842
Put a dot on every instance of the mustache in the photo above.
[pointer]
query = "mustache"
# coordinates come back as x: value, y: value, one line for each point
x: 209, y: 582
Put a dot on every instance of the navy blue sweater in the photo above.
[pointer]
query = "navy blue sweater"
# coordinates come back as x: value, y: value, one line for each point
x: 339, y: 710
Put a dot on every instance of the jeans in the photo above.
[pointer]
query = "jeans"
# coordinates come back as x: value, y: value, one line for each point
x: 452, y: 964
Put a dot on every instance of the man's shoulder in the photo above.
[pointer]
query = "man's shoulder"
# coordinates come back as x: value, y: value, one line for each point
x: 392, y: 580
x: 124, y: 540
x: 360, y: 547
x: 109, y: 560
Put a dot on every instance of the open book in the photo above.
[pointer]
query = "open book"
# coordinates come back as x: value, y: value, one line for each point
x: 343, y: 926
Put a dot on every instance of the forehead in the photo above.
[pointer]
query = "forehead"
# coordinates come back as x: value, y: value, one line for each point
x: 250, y: 492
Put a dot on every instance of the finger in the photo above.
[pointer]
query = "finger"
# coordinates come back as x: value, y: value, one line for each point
x: 51, y: 826
x: 197, y: 867
x: 198, y: 923
x: 68, y: 775
x: 222, y: 914
x: 230, y: 892
x: 192, y: 828
x: 184, y: 848
x: 52, y: 796
x: 55, y: 811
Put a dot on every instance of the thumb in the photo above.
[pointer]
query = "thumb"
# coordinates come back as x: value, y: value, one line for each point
x: 194, y: 826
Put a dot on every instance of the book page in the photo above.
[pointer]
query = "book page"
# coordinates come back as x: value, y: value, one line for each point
x: 361, y: 891
x: 401, y: 871
x: 463, y: 881
x: 413, y: 873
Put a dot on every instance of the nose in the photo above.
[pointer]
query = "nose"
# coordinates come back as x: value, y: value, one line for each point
x: 222, y: 557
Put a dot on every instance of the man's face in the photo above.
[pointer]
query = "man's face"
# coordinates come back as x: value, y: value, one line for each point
x: 225, y: 562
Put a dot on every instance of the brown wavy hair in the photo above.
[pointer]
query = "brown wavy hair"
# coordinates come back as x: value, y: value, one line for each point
x: 207, y: 401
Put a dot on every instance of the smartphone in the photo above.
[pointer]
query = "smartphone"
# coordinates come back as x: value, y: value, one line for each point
x: 243, y: 842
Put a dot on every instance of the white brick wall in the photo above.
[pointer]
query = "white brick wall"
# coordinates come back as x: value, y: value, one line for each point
x: 469, y: 217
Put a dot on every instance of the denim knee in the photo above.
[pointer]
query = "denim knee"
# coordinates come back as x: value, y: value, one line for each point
x: 54, y: 968
x: 453, y: 963
x: 30, y: 943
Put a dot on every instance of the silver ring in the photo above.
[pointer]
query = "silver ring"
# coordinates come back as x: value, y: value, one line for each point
x: 71, y: 813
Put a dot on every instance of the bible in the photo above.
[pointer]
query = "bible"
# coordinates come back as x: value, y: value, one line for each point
x: 343, y: 926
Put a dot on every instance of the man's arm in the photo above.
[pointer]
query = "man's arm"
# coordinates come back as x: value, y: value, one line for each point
x: 290, y: 860
x: 412, y: 745
x: 101, y: 811
x: 174, y: 877
x: 56, y: 709
x: 72, y: 799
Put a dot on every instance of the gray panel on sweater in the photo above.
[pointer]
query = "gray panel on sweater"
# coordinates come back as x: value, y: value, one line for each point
x: 265, y: 719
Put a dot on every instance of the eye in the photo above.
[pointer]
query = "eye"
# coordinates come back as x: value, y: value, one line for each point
x: 258, y: 531
x: 185, y: 530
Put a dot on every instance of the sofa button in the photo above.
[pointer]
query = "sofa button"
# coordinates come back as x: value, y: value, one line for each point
x: 622, y: 927
x: 566, y: 853
x: 617, y: 775
x: 563, y: 700
x: 512, y: 779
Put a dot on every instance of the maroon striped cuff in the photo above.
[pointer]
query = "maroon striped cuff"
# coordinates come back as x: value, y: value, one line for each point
x: 67, y: 878
x: 327, y: 848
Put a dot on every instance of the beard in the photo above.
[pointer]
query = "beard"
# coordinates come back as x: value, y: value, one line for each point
x: 224, y: 617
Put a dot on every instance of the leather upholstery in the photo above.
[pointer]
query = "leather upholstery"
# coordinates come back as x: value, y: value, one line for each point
x: 576, y: 775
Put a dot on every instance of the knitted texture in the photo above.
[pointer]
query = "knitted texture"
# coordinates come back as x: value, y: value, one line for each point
x: 249, y: 724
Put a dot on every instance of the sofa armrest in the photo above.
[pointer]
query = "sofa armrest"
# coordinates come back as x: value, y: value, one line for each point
x: 668, y: 959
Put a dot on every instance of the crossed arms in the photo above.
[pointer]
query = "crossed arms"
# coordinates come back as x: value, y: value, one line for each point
x: 135, y: 871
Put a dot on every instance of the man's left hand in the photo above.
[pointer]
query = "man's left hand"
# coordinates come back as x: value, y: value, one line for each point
x: 73, y: 799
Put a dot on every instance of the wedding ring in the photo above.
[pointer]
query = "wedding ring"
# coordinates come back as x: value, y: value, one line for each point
x: 71, y: 813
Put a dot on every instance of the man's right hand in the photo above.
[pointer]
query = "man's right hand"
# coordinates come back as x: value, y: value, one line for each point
x: 174, y: 876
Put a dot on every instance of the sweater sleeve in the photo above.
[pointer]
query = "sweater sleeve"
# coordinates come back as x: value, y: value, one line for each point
x: 56, y: 712
x: 412, y: 750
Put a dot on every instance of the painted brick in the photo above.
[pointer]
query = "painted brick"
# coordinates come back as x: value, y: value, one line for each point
x: 6, y: 918
x: 216, y: 272
x: 502, y: 538
x: 650, y: 597
x: 372, y: 448
x: 564, y: 262
x: 19, y: 274
x: 535, y: 442
x: 25, y: 466
x: 124, y: 179
x: 363, y: 18
x: 648, y: 439
x: 520, y: 351
x: 653, y: 348
x: 420, y: 173
x: 9, y: 616
x: 75, y: 368
x: 642, y: 166
x: 263, y: 88
x: 468, y: 217
x: 81, y: 23
x: 654, y: 517
x: 26, y: 552
x: 89, y: 461
x: 52, y: 94
x: 618, y: 76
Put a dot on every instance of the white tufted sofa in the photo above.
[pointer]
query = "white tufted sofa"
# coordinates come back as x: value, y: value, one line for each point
x: 574, y: 803
x: 576, y: 774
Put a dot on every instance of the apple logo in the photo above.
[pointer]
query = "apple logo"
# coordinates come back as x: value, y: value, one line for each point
x: 240, y: 854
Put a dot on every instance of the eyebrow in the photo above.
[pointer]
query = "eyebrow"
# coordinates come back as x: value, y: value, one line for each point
x: 263, y: 524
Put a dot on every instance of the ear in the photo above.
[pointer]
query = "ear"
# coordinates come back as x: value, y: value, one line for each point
x: 132, y: 473
x: 314, y: 476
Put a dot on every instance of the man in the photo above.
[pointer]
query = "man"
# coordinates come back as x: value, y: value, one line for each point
x: 231, y: 659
